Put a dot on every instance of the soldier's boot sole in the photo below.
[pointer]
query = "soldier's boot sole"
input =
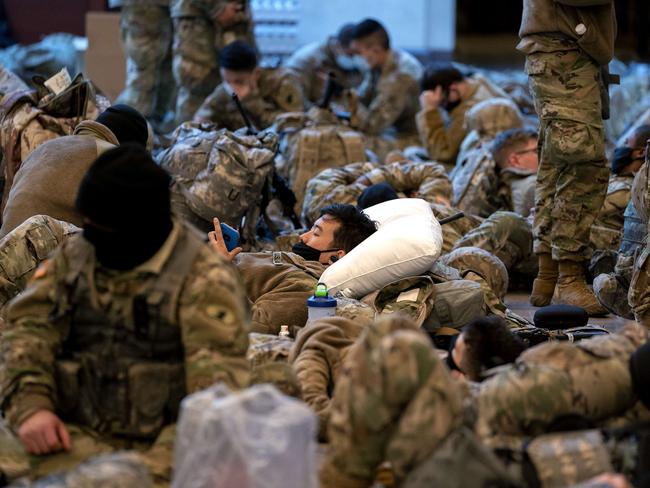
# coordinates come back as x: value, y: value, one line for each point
x: 544, y: 284
x: 571, y: 289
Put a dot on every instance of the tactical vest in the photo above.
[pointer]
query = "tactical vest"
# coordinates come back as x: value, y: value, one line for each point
x: 634, y: 231
x: 124, y: 376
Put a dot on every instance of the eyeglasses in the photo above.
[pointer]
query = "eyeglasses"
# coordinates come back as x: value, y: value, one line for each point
x: 524, y: 151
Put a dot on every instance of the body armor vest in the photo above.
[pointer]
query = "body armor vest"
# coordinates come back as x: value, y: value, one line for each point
x: 122, y: 368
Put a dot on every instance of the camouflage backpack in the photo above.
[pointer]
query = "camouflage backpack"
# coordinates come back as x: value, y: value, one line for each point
x: 474, y: 182
x: 217, y: 173
x: 29, y: 118
x: 313, y: 141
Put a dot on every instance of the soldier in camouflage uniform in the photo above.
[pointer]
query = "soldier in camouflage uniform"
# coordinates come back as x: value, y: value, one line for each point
x: 23, y: 250
x: 146, y: 28
x: 394, y: 401
x: 264, y: 93
x: 566, y: 46
x: 201, y: 29
x: 315, y: 61
x: 639, y: 293
x: 387, y: 99
x: 445, y: 88
x: 591, y: 378
x: 116, y: 328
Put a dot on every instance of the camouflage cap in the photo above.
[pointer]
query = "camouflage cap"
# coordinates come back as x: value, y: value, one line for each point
x: 482, y: 262
x: 492, y: 116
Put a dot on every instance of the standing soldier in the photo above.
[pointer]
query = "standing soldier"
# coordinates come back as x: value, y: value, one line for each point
x: 568, y: 45
x: 146, y: 28
x: 199, y: 33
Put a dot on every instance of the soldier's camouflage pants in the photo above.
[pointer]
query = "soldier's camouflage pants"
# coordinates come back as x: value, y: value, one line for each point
x: 16, y: 463
x: 573, y: 174
x: 639, y: 293
x: 147, y: 38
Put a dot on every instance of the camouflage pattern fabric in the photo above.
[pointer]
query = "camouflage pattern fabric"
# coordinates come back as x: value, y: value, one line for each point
x: 572, y: 176
x: 590, y: 378
x: 506, y: 235
x: 198, y: 38
x: 10, y: 82
x: 278, y: 91
x: 475, y: 182
x: 394, y: 401
x: 311, y: 142
x: 639, y: 294
x: 485, y: 120
x: 607, y: 229
x: 425, y: 180
x: 641, y: 193
x: 317, y: 358
x: 454, y: 231
x: 203, y: 310
x: 146, y: 29
x: 442, y: 141
x: 219, y: 174
x: 25, y: 248
x: 412, y: 297
x: 313, y: 63
x: 333, y: 185
x: 481, y: 262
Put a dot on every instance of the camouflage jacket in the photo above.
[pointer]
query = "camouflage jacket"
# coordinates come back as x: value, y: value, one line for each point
x: 388, y: 97
x: 607, y: 230
x: 590, y: 378
x: 392, y: 389
x: 210, y: 311
x: 278, y: 91
x: 23, y: 250
x: 313, y: 62
x: 442, y: 141
x: 278, y: 285
x: 516, y: 190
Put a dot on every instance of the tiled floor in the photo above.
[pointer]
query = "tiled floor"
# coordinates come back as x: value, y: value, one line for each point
x: 518, y: 303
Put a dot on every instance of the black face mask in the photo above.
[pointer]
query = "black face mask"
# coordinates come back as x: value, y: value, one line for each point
x: 309, y: 253
x: 451, y: 364
x: 123, y: 250
x: 449, y: 106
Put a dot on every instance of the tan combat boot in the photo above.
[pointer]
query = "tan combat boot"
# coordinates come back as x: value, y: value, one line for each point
x: 572, y: 289
x: 544, y: 284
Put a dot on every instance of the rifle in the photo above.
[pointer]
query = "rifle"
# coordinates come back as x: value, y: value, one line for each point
x: 451, y: 218
x: 331, y: 88
x: 250, y: 129
x: 606, y: 79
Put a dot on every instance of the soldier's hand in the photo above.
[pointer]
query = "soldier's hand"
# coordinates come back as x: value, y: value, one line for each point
x: 43, y: 433
x: 218, y: 244
x: 430, y: 99
x: 230, y: 14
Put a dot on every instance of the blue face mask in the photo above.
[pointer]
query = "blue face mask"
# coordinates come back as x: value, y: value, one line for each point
x: 351, y: 63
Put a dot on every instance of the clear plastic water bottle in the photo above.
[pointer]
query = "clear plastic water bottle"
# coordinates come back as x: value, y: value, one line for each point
x: 320, y: 304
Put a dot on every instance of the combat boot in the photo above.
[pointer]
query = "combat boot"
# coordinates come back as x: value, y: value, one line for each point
x: 544, y: 284
x: 572, y: 289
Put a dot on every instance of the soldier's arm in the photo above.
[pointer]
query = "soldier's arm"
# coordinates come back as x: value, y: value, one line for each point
x: 287, y: 98
x: 388, y: 104
x: 314, y: 375
x: 427, y: 180
x: 214, y: 320
x: 28, y: 346
x: 442, y: 143
x: 211, y: 108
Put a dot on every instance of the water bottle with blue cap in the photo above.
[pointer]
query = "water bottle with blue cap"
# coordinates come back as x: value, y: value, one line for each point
x: 320, y: 304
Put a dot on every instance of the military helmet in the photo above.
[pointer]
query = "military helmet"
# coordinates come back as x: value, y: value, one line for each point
x: 482, y: 262
x: 492, y: 116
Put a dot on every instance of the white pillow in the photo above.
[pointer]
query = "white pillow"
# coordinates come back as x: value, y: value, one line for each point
x: 407, y: 242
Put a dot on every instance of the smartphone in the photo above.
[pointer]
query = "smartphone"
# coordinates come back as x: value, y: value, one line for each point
x: 230, y: 236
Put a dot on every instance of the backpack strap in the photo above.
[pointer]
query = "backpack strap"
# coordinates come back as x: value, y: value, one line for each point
x: 353, y: 146
x: 308, y: 157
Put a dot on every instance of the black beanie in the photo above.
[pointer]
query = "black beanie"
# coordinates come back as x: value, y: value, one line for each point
x: 126, y: 123
x: 622, y: 157
x: 375, y: 194
x: 640, y: 372
x: 125, y: 189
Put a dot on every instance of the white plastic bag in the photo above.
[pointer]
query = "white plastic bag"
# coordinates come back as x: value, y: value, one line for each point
x: 257, y: 438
